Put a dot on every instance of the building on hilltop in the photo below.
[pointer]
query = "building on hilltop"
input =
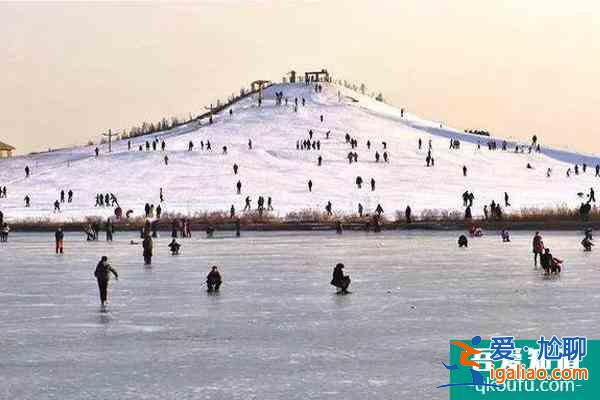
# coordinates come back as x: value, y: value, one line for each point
x: 6, y: 150
x: 317, y: 76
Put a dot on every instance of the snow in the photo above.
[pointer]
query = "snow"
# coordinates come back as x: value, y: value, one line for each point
x: 277, y: 330
x: 204, y: 181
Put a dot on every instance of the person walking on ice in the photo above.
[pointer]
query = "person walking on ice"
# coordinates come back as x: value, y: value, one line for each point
x: 102, y: 274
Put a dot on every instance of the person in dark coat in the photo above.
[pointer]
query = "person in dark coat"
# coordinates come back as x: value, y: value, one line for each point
x: 109, y: 230
x: 147, y: 245
x: 408, y: 214
x: 463, y: 241
x: 59, y: 237
x: 174, y: 247
x: 213, y: 280
x: 102, y: 274
x: 340, y: 280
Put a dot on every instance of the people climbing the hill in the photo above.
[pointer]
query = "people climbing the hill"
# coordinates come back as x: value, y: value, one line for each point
x: 538, y: 248
x: 249, y: 144
x: 247, y: 207
x: 56, y: 206
x: 420, y: 143
x: 97, y: 151
x: 174, y: 247
x: 372, y: 184
x: 377, y: 156
x: 235, y: 169
x: 70, y: 196
x: 27, y: 171
x: 319, y: 161
x: 190, y: 146
x: 339, y: 280
x: 408, y: 214
x: 27, y: 201
x: 463, y: 241
x: 328, y: 208
x: 338, y: 228
x: 359, y: 182
x: 485, y: 212
x: 102, y: 274
x: 239, y: 187
x: 506, y: 200
x: 379, y: 210
x: 310, y: 185
x: 59, y: 237
x: 270, y: 204
x: 360, y: 210
x: 232, y: 211
x: 166, y: 159
x: 147, y: 246
x: 505, y: 236
x: 213, y: 280
x: 464, y: 169
x: 62, y: 196
x: 592, y: 196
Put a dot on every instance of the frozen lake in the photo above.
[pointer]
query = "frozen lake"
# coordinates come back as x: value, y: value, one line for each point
x: 277, y: 330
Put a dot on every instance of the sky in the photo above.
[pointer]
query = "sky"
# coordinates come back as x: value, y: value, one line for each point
x: 71, y: 71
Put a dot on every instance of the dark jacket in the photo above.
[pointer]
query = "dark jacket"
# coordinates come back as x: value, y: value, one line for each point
x: 147, y: 245
x: 59, y: 235
x: 338, y: 276
x: 213, y: 277
x: 103, y: 271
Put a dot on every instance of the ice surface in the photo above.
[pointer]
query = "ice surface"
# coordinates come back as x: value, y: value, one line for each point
x: 204, y: 181
x: 277, y: 330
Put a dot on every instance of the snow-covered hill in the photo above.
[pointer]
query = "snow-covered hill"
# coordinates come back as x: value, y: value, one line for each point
x: 204, y: 180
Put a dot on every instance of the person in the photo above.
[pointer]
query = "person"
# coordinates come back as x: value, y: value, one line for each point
x: 147, y: 245
x: 468, y: 214
x: 464, y: 168
x: 505, y: 236
x: 463, y: 241
x: 239, y: 187
x: 379, y: 210
x: 235, y: 169
x: 109, y: 230
x: 506, y: 200
x: 592, y: 196
x: 70, y: 196
x: 62, y: 196
x: 27, y: 171
x: 174, y: 247
x: 59, y: 238
x: 56, y: 206
x: 210, y: 232
x: 4, y: 233
x: 102, y: 274
x: 408, y: 214
x: 213, y: 280
x: 360, y: 210
x: 340, y: 280
x: 310, y: 184
x: 338, y: 228
x: 587, y: 244
x: 538, y: 248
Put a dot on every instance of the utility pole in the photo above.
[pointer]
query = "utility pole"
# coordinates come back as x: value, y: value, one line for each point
x: 109, y: 135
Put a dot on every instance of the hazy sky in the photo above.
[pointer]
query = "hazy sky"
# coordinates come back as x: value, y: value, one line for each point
x: 68, y: 71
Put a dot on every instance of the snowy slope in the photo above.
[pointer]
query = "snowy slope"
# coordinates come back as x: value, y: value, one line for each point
x: 204, y: 181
